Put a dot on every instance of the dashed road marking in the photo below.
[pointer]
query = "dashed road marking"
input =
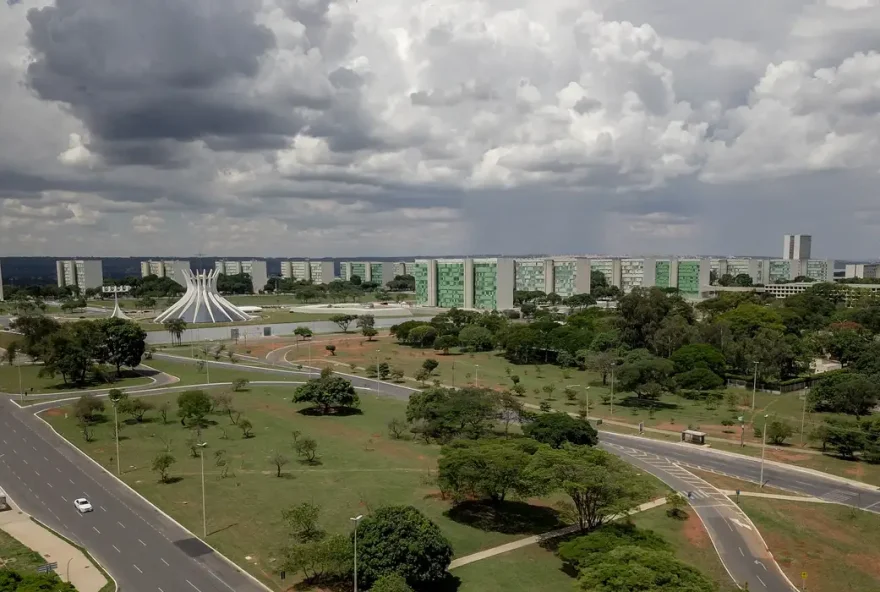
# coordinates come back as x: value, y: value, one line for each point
x: 117, y: 549
x: 193, y: 585
x: 137, y: 568
x: 142, y: 542
x: 120, y: 524
x: 165, y: 562
x: 96, y: 530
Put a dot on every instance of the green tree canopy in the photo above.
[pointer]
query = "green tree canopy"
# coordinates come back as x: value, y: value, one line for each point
x: 193, y: 407
x: 443, y: 414
x: 122, y: 343
x: 583, y: 550
x: 557, y: 429
x: 635, y: 569
x: 487, y: 469
x: 400, y: 539
x: 476, y: 338
x: 845, y: 392
x: 698, y: 355
x: 328, y: 393
x: 644, y: 374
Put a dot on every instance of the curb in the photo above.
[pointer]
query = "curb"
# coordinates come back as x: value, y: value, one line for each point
x: 151, y: 504
x: 82, y: 549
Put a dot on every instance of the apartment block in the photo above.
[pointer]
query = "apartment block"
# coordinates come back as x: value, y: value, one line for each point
x: 253, y: 267
x: 404, y: 268
x: 796, y: 246
x: 610, y: 268
x: 380, y: 272
x: 318, y: 272
x: 483, y: 284
x: 862, y: 270
x: 564, y: 276
x: 171, y: 269
x: 81, y: 273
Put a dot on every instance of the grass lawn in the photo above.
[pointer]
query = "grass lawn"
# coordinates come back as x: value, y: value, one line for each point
x: 532, y: 568
x: 838, y: 547
x: 732, y: 483
x: 361, y: 469
x: 14, y: 555
x: 6, y: 338
x: 47, y: 384
x: 190, y: 374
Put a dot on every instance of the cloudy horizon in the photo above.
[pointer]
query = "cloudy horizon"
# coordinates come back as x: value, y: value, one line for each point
x: 295, y: 128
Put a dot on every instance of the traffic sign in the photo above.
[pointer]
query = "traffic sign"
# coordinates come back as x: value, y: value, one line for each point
x: 46, y: 568
x: 804, y: 575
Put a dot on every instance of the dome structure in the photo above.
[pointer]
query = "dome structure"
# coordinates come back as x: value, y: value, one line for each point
x: 202, y: 303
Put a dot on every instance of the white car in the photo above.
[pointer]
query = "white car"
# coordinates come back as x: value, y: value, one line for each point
x: 82, y: 505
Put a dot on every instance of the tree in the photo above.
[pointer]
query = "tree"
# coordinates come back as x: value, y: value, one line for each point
x: 401, y: 539
x: 486, y: 469
x: 163, y: 408
x: 396, y: 427
x: 367, y: 325
x: 442, y: 414
x: 422, y: 336
x: 328, y: 393
x: 844, y: 392
x: 137, y: 407
x: 239, y: 384
x: 698, y: 355
x: 445, y: 342
x: 430, y: 365
x: 586, y: 549
x: 673, y: 333
x: 643, y: 311
x: 193, y: 407
x: 88, y: 408
x: 845, y: 437
x: 778, y: 430
x: 20, y: 581
x: 246, y: 428
x: 580, y: 301
x: 303, y: 333
x: 161, y: 464
x: 391, y: 582
x: 384, y: 370
x: 175, y: 328
x: 510, y: 410
x: 598, y: 362
x: 310, y: 550
x: 598, y: 483
x: 476, y: 338
x: 633, y: 569
x: 677, y: 504
x: 307, y: 449
x: 699, y: 379
x: 397, y: 374
x: 279, y: 460
x: 644, y: 374
x: 343, y: 321
x: 557, y: 429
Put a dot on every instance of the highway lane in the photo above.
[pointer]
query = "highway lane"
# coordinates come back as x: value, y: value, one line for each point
x: 787, y: 477
x: 739, y: 545
x: 141, y: 548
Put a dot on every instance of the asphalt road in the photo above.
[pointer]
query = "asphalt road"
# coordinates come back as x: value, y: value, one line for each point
x: 141, y: 548
x: 736, y: 540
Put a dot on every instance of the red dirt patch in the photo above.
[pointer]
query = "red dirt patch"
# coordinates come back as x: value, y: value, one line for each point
x: 858, y: 471
x: 869, y: 564
x: 54, y: 412
x: 696, y: 533
x: 783, y: 456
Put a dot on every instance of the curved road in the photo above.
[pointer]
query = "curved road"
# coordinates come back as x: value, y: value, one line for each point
x: 144, y: 550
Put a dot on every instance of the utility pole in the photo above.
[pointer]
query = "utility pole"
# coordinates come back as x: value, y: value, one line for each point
x: 612, y: 388
x: 754, y: 387
x: 204, y: 507
x: 115, y: 400
x: 378, y: 384
x: 356, y: 520
x: 763, y: 446
x: 477, y: 375
x: 804, y: 414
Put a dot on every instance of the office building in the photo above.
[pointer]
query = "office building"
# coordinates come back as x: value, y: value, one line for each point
x: 380, y: 272
x: 796, y: 246
x: 317, y: 272
x: 254, y: 268
x: 862, y: 270
x: 774, y: 271
x: 483, y: 284
x: 564, y: 276
x: 83, y: 274
x: 403, y: 268
x: 170, y: 269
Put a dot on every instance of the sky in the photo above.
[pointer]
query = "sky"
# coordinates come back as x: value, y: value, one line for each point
x: 294, y: 128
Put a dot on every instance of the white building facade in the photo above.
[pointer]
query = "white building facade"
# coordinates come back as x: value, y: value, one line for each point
x: 82, y: 273
x: 318, y: 272
x: 253, y: 267
x: 171, y: 269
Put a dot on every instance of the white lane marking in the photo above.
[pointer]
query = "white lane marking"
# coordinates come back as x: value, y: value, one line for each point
x: 50, y: 485
x: 872, y: 505
x: 761, y: 564
x: 37, y: 472
x: 103, y: 509
x: 57, y: 469
x: 740, y: 523
x: 142, y: 542
x: 160, y: 589
x: 117, y: 549
x: 14, y: 451
x: 24, y: 461
x: 34, y: 447
x: 120, y: 524
x: 137, y: 568
x: 165, y: 562
x: 193, y: 585
x: 71, y: 482
x: 64, y: 498
x: 96, y: 530
x: 45, y: 459
x: 760, y: 580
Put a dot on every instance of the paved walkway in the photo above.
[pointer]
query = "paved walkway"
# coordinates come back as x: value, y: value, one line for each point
x: 485, y: 554
x: 778, y: 496
x: 72, y: 562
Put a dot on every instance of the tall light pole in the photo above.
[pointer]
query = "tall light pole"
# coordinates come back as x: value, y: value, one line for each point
x: 612, y: 388
x: 453, y: 373
x: 477, y: 375
x: 763, y: 446
x: 755, y: 386
x: 310, y: 358
x: 378, y: 384
x: 356, y: 520
x: 586, y: 397
x: 804, y: 413
x: 115, y: 400
x: 201, y: 446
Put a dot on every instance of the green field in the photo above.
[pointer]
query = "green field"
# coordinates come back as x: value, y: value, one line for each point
x: 31, y: 380
x: 6, y: 338
x: 188, y: 373
x: 14, y: 555
x: 838, y: 547
x: 361, y: 468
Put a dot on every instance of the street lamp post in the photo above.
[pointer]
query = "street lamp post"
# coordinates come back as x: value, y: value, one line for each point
x: 763, y: 446
x: 612, y: 388
x: 754, y: 386
x: 378, y: 384
x: 804, y: 413
x: 453, y: 373
x: 586, y: 397
x: 204, y: 507
x: 477, y: 375
x: 310, y: 358
x: 356, y: 520
x: 115, y: 400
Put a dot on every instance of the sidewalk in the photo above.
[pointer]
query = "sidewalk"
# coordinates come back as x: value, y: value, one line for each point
x: 83, y: 574
x: 777, y: 496
x: 532, y: 540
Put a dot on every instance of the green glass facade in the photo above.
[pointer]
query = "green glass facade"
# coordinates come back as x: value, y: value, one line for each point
x: 529, y: 275
x: 605, y: 267
x: 376, y: 272
x: 485, y: 285
x: 661, y: 274
x: 689, y: 277
x: 450, y: 285
x: 564, y: 278
x: 420, y: 273
x: 358, y: 269
x: 780, y: 271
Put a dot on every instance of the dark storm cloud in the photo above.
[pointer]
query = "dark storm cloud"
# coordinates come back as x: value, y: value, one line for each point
x: 139, y: 73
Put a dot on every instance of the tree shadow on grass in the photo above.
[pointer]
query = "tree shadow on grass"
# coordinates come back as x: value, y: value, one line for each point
x: 637, y: 403
x: 507, y: 517
x: 337, y: 412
